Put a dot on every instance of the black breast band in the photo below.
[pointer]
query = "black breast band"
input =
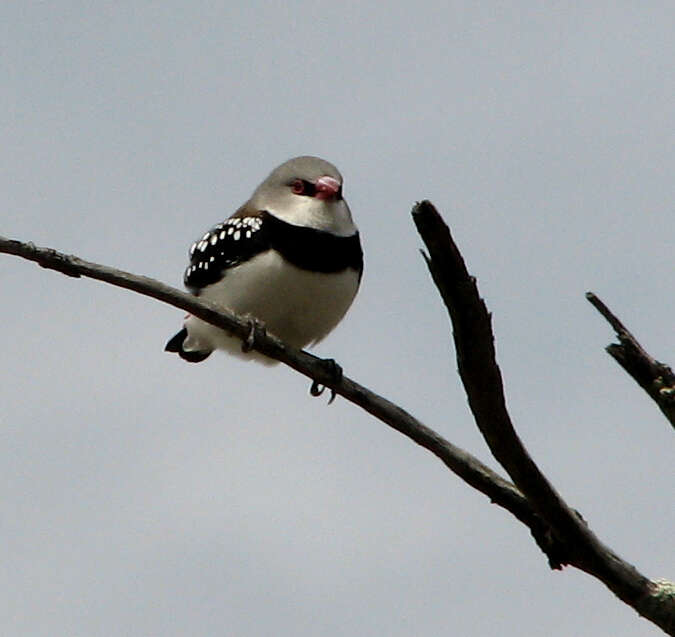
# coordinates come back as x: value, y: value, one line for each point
x: 311, y: 249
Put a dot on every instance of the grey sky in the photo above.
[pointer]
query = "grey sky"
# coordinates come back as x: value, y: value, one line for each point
x: 144, y: 496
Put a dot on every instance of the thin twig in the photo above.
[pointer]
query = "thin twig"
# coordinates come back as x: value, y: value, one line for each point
x: 657, y: 379
x: 466, y: 466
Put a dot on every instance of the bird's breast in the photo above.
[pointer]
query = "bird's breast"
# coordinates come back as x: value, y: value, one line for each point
x: 297, y: 305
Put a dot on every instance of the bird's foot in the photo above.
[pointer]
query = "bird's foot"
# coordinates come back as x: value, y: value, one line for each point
x: 335, y: 373
x: 249, y: 341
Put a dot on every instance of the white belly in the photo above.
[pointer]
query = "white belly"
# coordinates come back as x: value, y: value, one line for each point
x: 298, y: 306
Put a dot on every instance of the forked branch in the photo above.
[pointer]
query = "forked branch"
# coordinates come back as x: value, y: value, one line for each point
x: 480, y: 374
x: 558, y: 530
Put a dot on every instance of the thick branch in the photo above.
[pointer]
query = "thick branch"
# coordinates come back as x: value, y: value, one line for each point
x: 480, y: 374
x: 656, y: 378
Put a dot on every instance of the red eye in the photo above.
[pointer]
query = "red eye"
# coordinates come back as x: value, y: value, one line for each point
x: 298, y: 186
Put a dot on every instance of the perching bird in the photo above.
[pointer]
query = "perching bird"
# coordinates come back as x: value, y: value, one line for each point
x: 290, y: 257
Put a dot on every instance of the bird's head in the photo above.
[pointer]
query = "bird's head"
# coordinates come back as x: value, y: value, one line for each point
x: 306, y: 191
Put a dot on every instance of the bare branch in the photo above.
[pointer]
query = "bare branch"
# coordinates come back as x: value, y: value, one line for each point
x: 466, y: 466
x: 558, y: 531
x: 480, y: 374
x: 656, y: 378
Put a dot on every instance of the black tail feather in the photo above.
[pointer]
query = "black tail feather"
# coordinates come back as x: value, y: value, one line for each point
x: 175, y: 344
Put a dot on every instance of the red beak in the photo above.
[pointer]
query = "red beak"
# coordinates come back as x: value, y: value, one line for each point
x: 327, y: 187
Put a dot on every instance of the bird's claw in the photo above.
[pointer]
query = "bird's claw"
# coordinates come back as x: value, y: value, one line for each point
x: 335, y: 372
x: 249, y: 341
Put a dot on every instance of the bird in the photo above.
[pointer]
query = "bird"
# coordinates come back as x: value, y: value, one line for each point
x: 289, y: 258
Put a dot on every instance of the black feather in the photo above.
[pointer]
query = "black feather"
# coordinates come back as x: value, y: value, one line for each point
x: 175, y: 344
x: 241, y: 238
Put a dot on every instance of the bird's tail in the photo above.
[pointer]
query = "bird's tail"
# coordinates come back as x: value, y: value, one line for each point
x: 175, y: 344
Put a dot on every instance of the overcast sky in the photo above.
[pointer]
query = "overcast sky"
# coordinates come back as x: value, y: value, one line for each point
x: 143, y: 496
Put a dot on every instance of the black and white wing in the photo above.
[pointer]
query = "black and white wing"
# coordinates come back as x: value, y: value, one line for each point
x: 240, y: 238
x: 225, y: 246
